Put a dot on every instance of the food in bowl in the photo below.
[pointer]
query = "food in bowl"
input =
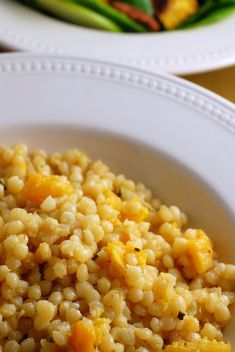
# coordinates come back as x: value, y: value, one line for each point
x: 136, y: 15
x: 91, y: 261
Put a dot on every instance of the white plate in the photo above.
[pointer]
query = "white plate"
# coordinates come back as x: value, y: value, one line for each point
x: 175, y: 137
x: 177, y: 52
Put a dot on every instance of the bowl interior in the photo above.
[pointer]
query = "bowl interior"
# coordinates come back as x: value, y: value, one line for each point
x: 169, y: 180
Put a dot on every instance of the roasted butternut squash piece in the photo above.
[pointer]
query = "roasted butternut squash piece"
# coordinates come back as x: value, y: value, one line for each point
x: 201, y: 252
x: 113, y: 200
x: 117, y: 252
x: 82, y: 337
x: 38, y: 187
x: 175, y: 12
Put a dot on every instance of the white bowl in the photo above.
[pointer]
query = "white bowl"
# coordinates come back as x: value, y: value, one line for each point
x: 181, y: 52
x: 174, y: 136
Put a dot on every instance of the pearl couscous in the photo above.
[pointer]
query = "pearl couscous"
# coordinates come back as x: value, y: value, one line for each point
x: 90, y: 261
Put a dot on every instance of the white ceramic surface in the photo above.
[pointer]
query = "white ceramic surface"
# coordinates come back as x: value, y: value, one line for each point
x: 175, y: 137
x: 179, y: 52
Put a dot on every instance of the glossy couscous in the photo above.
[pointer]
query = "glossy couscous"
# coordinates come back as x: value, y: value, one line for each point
x: 90, y: 261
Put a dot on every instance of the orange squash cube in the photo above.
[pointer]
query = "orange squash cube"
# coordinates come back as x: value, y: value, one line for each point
x: 82, y: 337
x: 201, y: 252
x: 38, y: 187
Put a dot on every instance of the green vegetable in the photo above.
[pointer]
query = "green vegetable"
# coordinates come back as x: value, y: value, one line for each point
x: 202, y: 11
x: 98, y: 15
x: 69, y: 11
x: 108, y: 11
x: 218, y: 14
x: 215, y: 16
x: 210, y: 11
x: 145, y: 5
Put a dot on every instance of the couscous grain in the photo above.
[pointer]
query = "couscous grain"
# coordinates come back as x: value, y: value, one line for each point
x: 91, y: 262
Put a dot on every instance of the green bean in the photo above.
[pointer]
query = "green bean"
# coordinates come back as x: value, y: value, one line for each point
x: 217, y: 15
x: 121, y: 19
x: 69, y: 11
x: 209, y: 12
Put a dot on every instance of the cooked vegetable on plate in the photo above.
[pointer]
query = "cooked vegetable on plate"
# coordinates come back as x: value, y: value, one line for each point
x: 93, y: 262
x: 136, y: 15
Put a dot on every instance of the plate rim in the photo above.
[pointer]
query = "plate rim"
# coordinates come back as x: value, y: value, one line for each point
x: 210, y: 104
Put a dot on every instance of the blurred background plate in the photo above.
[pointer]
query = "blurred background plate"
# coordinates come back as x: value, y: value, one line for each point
x: 179, y: 52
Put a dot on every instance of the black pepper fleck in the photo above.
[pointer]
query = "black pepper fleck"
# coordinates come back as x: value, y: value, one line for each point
x: 95, y: 256
x: 180, y: 316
